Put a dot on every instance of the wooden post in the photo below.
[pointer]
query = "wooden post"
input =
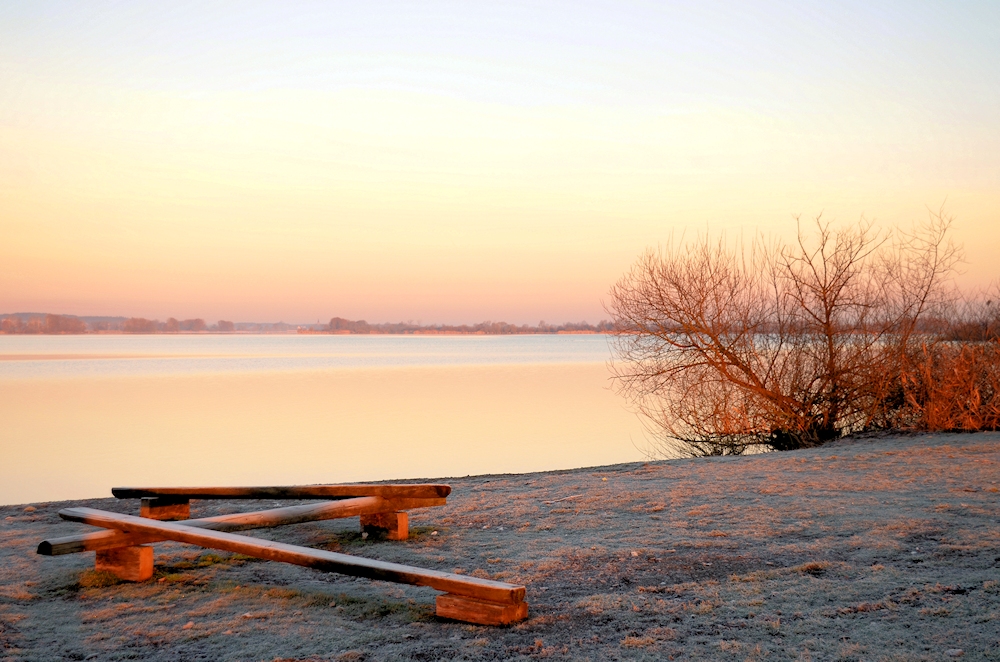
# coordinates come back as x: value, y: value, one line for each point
x: 133, y: 564
x: 471, y: 610
x: 165, y: 508
x: 391, y: 525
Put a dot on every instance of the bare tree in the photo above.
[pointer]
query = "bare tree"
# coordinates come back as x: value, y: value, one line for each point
x: 724, y: 348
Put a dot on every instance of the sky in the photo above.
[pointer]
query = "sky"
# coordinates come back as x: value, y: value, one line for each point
x: 458, y: 162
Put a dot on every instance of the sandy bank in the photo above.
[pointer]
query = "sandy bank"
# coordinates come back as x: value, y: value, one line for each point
x: 861, y: 550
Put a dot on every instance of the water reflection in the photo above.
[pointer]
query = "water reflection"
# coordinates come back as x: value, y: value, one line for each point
x: 76, y: 434
x: 95, y: 355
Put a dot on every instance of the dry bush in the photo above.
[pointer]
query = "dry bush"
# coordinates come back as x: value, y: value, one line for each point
x: 724, y: 349
x: 953, y: 386
x: 953, y: 383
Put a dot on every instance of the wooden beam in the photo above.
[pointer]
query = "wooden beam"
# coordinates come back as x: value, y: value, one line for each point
x: 461, y: 585
x: 414, y: 491
x: 92, y: 542
x: 310, y: 512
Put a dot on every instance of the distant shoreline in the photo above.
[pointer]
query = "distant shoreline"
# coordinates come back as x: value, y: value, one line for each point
x: 430, y: 332
x: 52, y: 324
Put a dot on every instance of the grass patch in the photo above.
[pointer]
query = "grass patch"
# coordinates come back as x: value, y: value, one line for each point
x: 425, y: 532
x: 211, y: 559
x: 638, y: 642
x: 174, y: 577
x: 814, y: 568
x: 938, y: 611
x: 360, y: 608
x: 98, y: 579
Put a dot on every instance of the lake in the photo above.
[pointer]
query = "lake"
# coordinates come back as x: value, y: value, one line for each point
x: 81, y: 414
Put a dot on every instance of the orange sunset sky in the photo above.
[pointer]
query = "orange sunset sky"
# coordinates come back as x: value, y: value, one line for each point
x: 456, y: 162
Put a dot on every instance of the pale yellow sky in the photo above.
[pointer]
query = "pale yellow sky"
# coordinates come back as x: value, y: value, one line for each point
x: 462, y: 162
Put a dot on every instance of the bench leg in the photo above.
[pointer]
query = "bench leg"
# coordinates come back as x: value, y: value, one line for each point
x: 162, y: 508
x: 133, y: 564
x: 394, y: 526
x: 470, y: 610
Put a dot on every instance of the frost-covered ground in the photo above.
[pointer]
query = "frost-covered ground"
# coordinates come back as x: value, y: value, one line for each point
x: 884, y: 549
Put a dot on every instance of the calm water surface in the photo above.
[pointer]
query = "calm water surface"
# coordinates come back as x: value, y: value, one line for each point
x: 80, y: 414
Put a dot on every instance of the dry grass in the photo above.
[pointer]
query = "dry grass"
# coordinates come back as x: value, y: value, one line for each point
x: 954, y: 386
x: 689, y: 558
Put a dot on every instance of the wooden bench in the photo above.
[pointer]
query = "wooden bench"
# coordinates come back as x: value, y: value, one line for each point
x: 173, y: 503
x: 123, y: 548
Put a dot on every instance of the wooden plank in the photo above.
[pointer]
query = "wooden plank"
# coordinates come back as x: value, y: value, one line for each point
x: 311, y: 512
x: 415, y: 491
x: 471, y: 587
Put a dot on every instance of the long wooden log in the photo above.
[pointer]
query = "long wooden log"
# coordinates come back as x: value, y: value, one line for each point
x: 472, y: 587
x: 311, y: 512
x: 415, y: 491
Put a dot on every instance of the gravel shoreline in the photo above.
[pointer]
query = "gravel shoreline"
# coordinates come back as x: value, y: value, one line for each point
x: 865, y: 549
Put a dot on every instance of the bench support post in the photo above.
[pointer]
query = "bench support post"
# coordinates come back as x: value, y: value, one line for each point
x: 133, y: 564
x: 471, y: 610
x: 165, y: 508
x: 392, y: 525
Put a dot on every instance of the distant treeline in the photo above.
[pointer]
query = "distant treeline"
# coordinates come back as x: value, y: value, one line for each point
x: 65, y: 324
x: 341, y: 325
x: 38, y: 323
x: 42, y: 324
